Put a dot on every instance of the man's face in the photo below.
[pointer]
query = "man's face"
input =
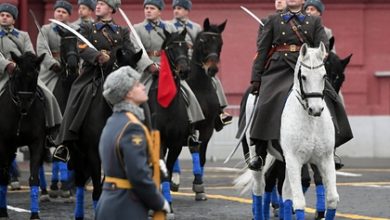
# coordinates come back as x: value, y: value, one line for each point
x: 6, y: 19
x: 102, y: 9
x: 60, y: 14
x: 84, y: 11
x: 311, y: 10
x: 280, y: 5
x: 180, y: 12
x: 294, y: 3
x: 152, y: 12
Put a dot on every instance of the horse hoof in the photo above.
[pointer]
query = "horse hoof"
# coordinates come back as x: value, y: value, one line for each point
x: 65, y: 194
x: 276, y: 212
x: 198, y: 188
x: 200, y: 196
x: 319, y: 216
x: 15, y: 185
x: 54, y: 193
x: 174, y: 187
x: 34, y: 216
x: 171, y: 216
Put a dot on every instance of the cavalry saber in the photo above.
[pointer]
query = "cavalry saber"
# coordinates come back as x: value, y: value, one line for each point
x: 249, y: 122
x: 139, y: 42
x: 81, y: 37
x: 252, y: 15
x: 45, y: 42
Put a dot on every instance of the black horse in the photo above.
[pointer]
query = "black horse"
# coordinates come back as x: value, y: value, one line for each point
x: 172, y: 121
x: 204, y: 66
x: 84, y: 154
x: 69, y: 57
x: 22, y: 122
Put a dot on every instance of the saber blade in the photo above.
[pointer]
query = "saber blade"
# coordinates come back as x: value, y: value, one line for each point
x: 252, y: 15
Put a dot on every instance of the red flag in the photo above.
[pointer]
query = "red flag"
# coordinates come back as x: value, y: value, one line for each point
x: 166, y: 84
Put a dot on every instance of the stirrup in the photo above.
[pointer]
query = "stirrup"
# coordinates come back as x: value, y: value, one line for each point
x: 256, y: 163
x: 225, y: 118
x: 337, y: 162
x: 193, y: 141
x: 61, y: 153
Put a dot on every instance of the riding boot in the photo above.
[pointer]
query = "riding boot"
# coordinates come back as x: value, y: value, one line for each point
x: 193, y: 139
x: 257, y: 161
x: 337, y: 162
x: 223, y: 119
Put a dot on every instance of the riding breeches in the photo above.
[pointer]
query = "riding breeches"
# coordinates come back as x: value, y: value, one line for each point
x: 220, y: 93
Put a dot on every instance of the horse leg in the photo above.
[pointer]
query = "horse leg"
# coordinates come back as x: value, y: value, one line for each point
x: 175, y: 179
x: 257, y: 192
x: 36, y: 153
x: 270, y: 189
x: 4, y: 178
x: 320, y: 193
x: 54, y: 191
x: 96, y: 177
x: 328, y: 173
x: 198, y: 154
x: 44, y: 197
x: 292, y: 188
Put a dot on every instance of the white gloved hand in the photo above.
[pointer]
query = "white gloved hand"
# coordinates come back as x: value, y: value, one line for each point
x: 166, y: 208
x: 163, y: 168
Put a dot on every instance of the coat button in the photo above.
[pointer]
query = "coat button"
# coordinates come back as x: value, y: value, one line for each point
x: 284, y: 43
x: 305, y: 32
x: 283, y: 33
x: 115, y: 41
x: 282, y: 22
x: 94, y: 31
x: 307, y: 22
x: 95, y: 41
x: 285, y: 54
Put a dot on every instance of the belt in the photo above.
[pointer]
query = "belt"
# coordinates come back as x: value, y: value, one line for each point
x: 288, y: 48
x: 117, y: 183
x: 154, y: 53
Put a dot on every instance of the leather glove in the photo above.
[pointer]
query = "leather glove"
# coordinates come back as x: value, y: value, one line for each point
x: 153, y: 69
x: 10, y: 68
x: 166, y: 208
x: 56, y: 68
x: 255, y: 87
x: 102, y: 58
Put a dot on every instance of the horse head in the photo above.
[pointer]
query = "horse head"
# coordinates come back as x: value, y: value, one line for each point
x: 69, y: 52
x: 176, y: 49
x: 127, y: 57
x: 309, y: 78
x: 335, y: 67
x: 23, y: 82
x: 207, y: 47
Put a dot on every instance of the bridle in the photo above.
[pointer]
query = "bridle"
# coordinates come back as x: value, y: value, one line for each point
x: 302, y: 92
x: 211, y: 54
x: 173, y: 60
x: 18, y: 98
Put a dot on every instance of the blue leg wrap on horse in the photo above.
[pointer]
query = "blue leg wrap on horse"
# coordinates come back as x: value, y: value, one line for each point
x: 274, y: 196
x: 253, y: 205
x: 304, y: 188
x: 3, y: 196
x: 287, y: 210
x: 34, y: 196
x: 176, y: 167
x: 330, y: 214
x: 267, y: 201
x: 299, y: 214
x: 42, y: 178
x: 95, y: 202
x: 166, y: 190
x: 63, y: 171
x: 54, y: 172
x: 281, y: 208
x: 79, y: 211
x: 258, y: 200
x: 196, y: 169
x: 320, y: 206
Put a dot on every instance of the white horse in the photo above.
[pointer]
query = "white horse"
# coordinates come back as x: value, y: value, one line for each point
x: 307, y: 135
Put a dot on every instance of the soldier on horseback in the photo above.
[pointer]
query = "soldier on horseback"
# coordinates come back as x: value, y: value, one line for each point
x: 181, y: 10
x: 126, y: 151
x: 151, y: 33
x: 19, y: 42
x: 86, y: 8
x: 106, y: 36
x: 278, y: 50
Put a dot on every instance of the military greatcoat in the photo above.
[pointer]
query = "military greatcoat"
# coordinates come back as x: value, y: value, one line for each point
x: 276, y: 75
x: 115, y: 202
x: 104, y: 36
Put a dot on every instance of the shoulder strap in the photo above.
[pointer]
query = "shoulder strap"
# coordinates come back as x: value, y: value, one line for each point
x: 295, y: 29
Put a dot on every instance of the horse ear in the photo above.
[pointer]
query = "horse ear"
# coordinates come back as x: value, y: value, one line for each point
x: 138, y: 55
x: 331, y: 43
x: 40, y: 59
x: 206, y: 24
x: 346, y: 60
x: 221, y: 27
x: 322, y: 50
x: 14, y: 57
x: 303, y: 50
